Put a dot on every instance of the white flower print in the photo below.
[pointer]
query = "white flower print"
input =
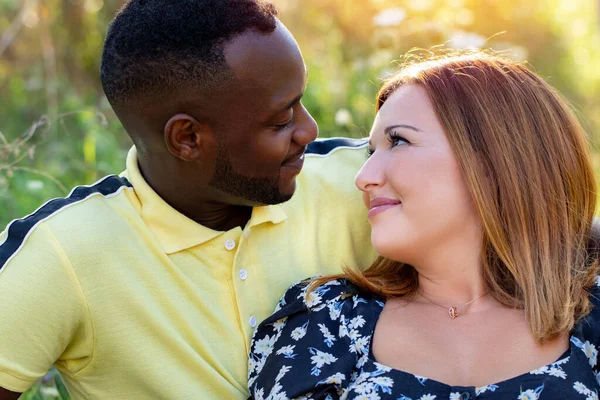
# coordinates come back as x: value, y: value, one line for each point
x: 343, y: 331
x: 322, y: 339
x: 251, y: 368
x: 584, y: 390
x: 357, y: 322
x: 527, y: 395
x: 265, y: 345
x: 333, y: 283
x: 380, y: 369
x: 553, y: 369
x: 299, y: 332
x: 557, y: 372
x: 360, y: 345
x: 588, y: 349
x: 383, y: 383
x: 319, y: 359
x: 424, y: 397
x: 370, y: 396
x: 354, y: 334
x: 561, y: 362
x: 334, y: 311
x: 364, y: 387
x: 279, y: 324
x: 287, y: 351
x: 540, y: 371
x: 362, y: 360
x: 312, y: 299
x: 484, y: 389
x: 335, y: 379
x: 581, y: 388
x: 591, y: 353
x: 531, y: 394
x: 329, y: 338
x: 356, y: 300
x: 284, y: 370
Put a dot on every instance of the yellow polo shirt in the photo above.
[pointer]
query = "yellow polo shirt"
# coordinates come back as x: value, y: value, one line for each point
x: 130, y: 299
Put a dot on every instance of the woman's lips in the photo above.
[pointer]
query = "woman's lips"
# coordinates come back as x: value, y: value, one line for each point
x: 381, y: 204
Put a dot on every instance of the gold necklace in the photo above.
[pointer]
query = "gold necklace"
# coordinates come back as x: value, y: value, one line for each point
x: 452, y: 310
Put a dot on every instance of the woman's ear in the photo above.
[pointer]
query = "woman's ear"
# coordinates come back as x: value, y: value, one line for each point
x: 185, y: 137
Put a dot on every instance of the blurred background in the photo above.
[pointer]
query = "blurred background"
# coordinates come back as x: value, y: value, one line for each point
x: 57, y: 129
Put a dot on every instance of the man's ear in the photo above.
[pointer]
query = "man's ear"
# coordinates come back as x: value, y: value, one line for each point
x: 186, y: 138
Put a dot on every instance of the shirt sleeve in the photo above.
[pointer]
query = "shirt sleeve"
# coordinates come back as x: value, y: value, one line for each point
x: 304, y: 350
x: 42, y: 311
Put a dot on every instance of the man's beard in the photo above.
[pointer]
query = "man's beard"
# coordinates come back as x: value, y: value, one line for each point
x: 258, y: 190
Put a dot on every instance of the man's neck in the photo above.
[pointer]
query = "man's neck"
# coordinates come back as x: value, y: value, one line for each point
x: 211, y: 214
x: 221, y: 217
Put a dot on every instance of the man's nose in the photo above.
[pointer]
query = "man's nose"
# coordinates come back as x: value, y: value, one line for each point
x: 307, y: 130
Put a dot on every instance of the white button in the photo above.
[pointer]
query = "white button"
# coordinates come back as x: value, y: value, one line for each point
x: 252, y: 321
x: 230, y: 244
x: 243, y: 274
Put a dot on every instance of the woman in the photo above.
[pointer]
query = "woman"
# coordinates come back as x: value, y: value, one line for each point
x: 481, y: 196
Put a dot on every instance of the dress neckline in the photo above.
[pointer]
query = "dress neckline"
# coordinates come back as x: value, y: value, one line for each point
x: 380, y: 303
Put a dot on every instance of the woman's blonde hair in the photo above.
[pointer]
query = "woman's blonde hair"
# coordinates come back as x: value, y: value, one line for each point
x: 526, y: 162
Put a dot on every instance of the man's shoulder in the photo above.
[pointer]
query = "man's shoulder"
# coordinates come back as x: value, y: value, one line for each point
x: 67, y: 216
x: 334, y: 161
x: 329, y: 171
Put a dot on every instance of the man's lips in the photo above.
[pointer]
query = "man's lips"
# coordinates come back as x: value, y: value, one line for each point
x: 293, y: 165
x: 295, y: 157
x: 381, y: 204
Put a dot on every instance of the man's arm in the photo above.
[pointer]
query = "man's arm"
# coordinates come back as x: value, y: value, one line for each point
x: 44, y: 312
x: 6, y: 395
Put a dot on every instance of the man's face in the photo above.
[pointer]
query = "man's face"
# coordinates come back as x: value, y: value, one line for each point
x: 262, y: 128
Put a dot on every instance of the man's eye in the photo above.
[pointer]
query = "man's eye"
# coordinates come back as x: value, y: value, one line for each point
x: 284, y: 126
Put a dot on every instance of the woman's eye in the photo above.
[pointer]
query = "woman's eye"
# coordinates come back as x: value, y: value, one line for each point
x: 397, y: 140
x: 369, y: 152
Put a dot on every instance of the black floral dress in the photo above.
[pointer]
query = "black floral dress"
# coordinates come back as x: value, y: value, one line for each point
x: 319, y: 348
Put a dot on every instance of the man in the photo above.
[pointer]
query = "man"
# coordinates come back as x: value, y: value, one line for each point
x: 150, y: 284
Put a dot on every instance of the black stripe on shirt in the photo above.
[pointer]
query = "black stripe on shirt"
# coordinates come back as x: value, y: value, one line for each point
x: 20, y: 228
x: 326, y: 146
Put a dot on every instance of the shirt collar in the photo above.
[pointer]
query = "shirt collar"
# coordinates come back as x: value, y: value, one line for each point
x: 175, y: 231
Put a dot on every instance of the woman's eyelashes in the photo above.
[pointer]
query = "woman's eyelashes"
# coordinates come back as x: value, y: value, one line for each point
x: 370, y: 151
x: 394, y: 139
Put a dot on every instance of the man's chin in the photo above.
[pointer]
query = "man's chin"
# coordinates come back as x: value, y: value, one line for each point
x: 286, y: 191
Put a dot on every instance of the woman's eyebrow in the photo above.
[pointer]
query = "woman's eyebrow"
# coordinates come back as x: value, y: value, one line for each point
x: 392, y: 127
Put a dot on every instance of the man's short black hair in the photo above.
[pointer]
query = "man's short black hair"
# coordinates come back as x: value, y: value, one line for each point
x: 156, y: 47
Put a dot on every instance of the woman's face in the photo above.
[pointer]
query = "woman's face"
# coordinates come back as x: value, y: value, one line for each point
x: 412, y: 183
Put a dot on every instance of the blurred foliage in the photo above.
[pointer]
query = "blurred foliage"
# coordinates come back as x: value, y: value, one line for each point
x: 57, y: 129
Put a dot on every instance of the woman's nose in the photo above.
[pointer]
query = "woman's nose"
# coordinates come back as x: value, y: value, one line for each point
x: 371, y: 174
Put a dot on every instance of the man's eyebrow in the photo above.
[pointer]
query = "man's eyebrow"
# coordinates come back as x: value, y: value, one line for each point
x: 290, y: 104
x: 390, y: 128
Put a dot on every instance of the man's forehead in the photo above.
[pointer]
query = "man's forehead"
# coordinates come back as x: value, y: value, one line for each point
x: 253, y: 54
x: 268, y: 68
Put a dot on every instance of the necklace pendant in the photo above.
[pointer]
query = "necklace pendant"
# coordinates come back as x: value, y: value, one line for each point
x: 453, y: 312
